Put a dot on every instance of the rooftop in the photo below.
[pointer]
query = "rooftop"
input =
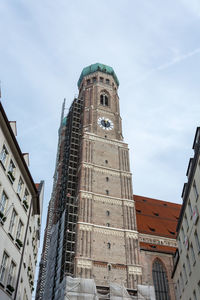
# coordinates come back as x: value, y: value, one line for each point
x: 97, y: 67
x: 156, y: 217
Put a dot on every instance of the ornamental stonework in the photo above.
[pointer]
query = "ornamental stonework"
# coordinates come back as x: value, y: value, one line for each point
x: 145, y: 238
x: 135, y: 270
x: 108, y: 230
x: 84, y: 263
x: 106, y: 199
x: 93, y: 137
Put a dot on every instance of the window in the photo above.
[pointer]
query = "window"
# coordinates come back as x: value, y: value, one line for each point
x: 194, y: 295
x: 183, y: 233
x: 107, y: 81
x: 101, y: 79
x: 94, y: 79
x: 178, y: 287
x: 107, y: 179
x: 197, y: 241
x: 181, y: 281
x: 109, y: 267
x: 186, y: 221
x: 184, y: 273
x: 11, y: 171
x: 104, y: 99
x: 25, y: 297
x: 190, y: 208
x: 12, y: 221
x: 160, y: 281
x: 25, y: 199
x: 19, y: 230
x: 193, y: 254
x: 199, y: 287
x: 109, y: 245
x: 106, y: 161
x: 196, y: 194
x: 108, y: 224
x: 188, y: 264
x: 108, y: 213
x: 3, y: 266
x: 88, y: 81
x: 107, y: 192
x: 11, y: 273
x: 179, y: 244
x: 19, y: 187
x: 3, y: 201
x: 3, y: 155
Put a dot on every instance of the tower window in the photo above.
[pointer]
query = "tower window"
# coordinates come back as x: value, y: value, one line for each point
x: 107, y: 192
x: 109, y: 267
x: 160, y: 280
x: 107, y: 179
x: 94, y: 79
x: 108, y: 224
x: 104, y: 99
x: 108, y: 213
x: 101, y: 79
x: 106, y: 161
x: 107, y: 81
x: 109, y: 245
x: 88, y: 81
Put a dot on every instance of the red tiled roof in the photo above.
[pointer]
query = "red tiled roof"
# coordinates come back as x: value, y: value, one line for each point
x: 37, y: 185
x: 156, y: 217
x: 157, y: 248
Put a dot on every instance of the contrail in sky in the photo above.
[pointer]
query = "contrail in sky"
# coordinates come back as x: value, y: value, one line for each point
x: 169, y: 64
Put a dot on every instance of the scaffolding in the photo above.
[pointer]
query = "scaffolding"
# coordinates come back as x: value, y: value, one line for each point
x: 62, y: 212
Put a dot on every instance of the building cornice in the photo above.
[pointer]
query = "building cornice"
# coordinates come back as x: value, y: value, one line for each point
x: 94, y: 137
x: 107, y: 199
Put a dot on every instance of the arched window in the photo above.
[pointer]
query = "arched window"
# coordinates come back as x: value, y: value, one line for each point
x: 104, y: 99
x: 160, y: 281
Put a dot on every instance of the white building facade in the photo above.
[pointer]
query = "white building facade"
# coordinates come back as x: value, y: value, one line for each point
x: 20, y: 213
x: 187, y: 260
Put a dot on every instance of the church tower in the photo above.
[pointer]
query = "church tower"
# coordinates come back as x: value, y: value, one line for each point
x: 91, y: 230
x: 107, y: 238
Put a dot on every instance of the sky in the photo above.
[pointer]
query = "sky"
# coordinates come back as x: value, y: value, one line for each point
x: 154, y: 48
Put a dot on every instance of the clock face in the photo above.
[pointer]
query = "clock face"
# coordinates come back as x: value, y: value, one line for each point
x: 105, y: 123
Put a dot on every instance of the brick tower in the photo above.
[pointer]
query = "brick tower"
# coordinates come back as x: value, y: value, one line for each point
x: 102, y: 242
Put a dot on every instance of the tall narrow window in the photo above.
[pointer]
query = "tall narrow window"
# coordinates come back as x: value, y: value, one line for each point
x: 190, y: 208
x: 19, y: 187
x: 184, y: 273
x: 104, y: 99
x: 11, y: 171
x: 181, y: 281
x: 12, y: 222
x: 3, y: 266
x: 3, y: 155
x: 11, y: 273
x: 197, y: 241
x: 109, y: 245
x: 192, y: 254
x: 196, y: 194
x: 183, y: 234
x: 194, y: 295
x: 188, y: 264
x: 3, y: 200
x: 186, y: 221
x: 19, y: 230
x: 160, y: 281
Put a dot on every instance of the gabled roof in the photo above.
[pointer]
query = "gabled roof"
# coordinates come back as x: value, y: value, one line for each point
x: 156, y: 217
